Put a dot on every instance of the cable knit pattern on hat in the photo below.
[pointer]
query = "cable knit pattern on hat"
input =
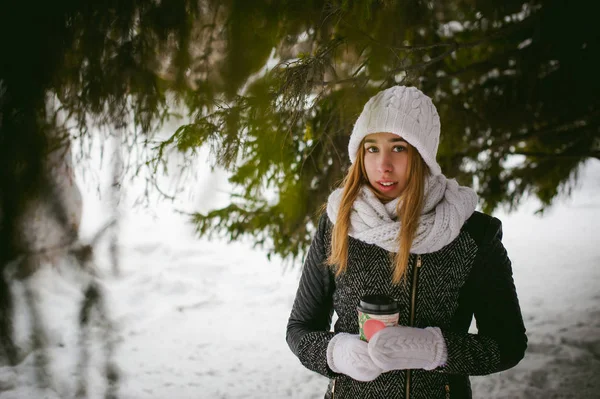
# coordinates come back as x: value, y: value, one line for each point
x: 447, y: 206
x: 404, y: 111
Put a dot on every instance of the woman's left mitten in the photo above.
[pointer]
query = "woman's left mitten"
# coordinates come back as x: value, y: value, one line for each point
x: 348, y: 354
x: 402, y: 348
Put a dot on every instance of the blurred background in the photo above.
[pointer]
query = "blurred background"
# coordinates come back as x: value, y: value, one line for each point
x: 163, y: 164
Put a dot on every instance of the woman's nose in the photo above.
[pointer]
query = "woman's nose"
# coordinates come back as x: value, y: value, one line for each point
x: 385, y: 164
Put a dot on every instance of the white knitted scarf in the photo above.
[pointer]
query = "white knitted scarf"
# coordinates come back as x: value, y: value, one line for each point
x: 447, y: 206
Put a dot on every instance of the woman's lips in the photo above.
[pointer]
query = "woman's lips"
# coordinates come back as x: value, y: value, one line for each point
x: 385, y: 185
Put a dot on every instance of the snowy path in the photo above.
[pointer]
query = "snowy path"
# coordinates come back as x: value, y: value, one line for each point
x: 224, y: 310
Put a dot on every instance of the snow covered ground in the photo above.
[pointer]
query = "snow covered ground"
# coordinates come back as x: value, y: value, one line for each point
x: 206, y: 319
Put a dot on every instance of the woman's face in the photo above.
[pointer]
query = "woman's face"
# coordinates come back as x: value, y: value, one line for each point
x: 386, y: 163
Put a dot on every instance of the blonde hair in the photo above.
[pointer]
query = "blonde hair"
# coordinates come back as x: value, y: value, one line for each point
x: 409, y: 212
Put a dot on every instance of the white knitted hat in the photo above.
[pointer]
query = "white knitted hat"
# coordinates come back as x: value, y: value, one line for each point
x: 404, y: 111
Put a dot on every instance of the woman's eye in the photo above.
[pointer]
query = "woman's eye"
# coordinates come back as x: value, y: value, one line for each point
x: 399, y: 148
x: 372, y: 149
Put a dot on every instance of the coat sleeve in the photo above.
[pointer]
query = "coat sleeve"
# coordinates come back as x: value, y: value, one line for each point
x: 500, y: 341
x: 310, y: 320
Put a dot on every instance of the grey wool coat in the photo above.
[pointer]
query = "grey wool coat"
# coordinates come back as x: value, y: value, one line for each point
x: 470, y: 277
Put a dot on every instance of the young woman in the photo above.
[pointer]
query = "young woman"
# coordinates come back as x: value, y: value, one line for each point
x: 398, y: 227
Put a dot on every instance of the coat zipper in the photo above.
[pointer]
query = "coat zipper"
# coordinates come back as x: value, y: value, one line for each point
x: 333, y: 390
x: 413, y: 306
x: 447, y: 391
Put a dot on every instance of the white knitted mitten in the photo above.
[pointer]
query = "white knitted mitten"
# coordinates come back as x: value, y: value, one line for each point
x: 401, y: 348
x: 348, y: 354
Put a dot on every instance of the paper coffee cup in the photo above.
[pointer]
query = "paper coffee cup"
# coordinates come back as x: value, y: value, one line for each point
x: 376, y: 312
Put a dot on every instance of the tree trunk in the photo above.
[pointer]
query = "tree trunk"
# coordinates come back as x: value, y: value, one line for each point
x: 49, y: 223
x: 39, y: 218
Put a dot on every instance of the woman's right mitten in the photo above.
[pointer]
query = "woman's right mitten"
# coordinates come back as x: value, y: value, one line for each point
x: 348, y: 354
